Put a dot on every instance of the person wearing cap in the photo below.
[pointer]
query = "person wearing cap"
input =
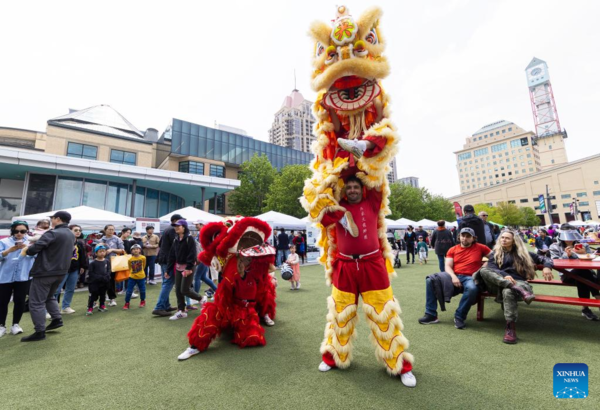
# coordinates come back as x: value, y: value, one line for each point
x: 150, y: 246
x: 163, y: 306
x: 181, y: 262
x: 99, y: 277
x: 461, y: 263
x: 53, y: 252
x: 568, y: 247
x: 14, y: 275
x: 201, y: 274
x: 137, y: 276
x: 470, y: 220
x: 509, y: 268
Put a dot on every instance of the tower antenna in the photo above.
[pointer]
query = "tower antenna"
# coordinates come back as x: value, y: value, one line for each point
x: 295, y: 89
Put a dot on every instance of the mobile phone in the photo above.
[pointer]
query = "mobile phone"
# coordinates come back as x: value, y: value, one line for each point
x: 578, y: 246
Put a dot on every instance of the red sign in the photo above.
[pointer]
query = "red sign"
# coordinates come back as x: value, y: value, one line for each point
x: 458, y: 210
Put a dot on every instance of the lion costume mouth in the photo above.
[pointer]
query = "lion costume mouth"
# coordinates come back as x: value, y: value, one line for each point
x: 351, y: 93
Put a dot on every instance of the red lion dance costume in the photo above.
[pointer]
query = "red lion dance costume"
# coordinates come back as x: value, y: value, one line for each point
x: 245, y: 290
x: 355, y: 137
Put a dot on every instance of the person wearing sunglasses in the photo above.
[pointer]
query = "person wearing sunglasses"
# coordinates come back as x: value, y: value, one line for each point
x: 79, y: 263
x: 14, y: 275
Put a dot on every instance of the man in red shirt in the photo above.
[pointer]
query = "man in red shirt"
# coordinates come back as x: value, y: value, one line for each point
x: 462, y: 261
x: 359, y: 269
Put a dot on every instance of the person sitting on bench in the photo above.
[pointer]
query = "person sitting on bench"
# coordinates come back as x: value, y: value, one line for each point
x: 568, y: 247
x: 509, y: 268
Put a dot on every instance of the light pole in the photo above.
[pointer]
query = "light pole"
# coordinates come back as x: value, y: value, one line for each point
x: 576, y: 208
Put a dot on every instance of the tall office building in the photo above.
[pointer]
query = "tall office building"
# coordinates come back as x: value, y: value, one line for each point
x: 393, y: 174
x: 412, y: 181
x: 293, y: 123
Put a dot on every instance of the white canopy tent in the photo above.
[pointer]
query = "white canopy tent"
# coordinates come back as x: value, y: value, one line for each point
x: 192, y: 215
x: 426, y: 224
x: 87, y: 217
x: 451, y: 224
x: 393, y: 224
x: 403, y: 222
x: 583, y: 223
x: 278, y: 220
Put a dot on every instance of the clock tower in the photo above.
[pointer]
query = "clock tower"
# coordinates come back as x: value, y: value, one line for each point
x: 549, y: 135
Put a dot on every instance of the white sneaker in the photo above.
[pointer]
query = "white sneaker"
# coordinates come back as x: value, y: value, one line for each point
x: 112, y: 302
x: 121, y: 292
x: 324, y: 367
x: 178, y: 315
x: 15, y: 329
x: 408, y: 379
x: 297, y: 285
x: 189, y: 352
x: 134, y: 295
x: 67, y: 311
x: 268, y: 321
x: 48, y: 317
x: 292, y: 287
x: 348, y: 223
x: 151, y: 282
x: 2, y: 331
x: 355, y: 147
x: 193, y: 302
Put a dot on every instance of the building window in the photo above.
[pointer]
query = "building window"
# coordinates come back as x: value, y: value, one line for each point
x: 82, y: 151
x: 595, y: 182
x: 40, y: 193
x: 552, y: 161
x: 524, y: 200
x: 191, y: 167
x: 549, y: 146
x: 481, y: 151
x: 122, y: 157
x: 220, y: 204
x: 509, y: 129
x: 585, y: 203
x: 565, y: 196
x: 581, y: 194
x: 217, y: 171
x: 566, y: 205
x: 596, y: 193
x: 499, y: 147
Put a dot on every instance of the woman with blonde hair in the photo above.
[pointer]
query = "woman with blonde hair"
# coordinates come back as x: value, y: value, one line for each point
x: 509, y: 268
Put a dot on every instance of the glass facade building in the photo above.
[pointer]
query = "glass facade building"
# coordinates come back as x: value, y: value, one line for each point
x: 219, y: 145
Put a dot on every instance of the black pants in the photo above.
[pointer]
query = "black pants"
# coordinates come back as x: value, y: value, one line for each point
x: 183, y: 288
x: 410, y: 250
x: 112, y: 294
x: 97, y: 292
x: 583, y: 290
x: 18, y: 290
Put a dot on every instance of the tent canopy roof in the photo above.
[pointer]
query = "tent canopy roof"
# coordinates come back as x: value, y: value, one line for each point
x: 86, y: 216
x: 279, y: 220
x: 192, y: 215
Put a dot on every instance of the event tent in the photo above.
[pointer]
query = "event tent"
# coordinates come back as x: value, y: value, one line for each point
x: 278, y: 220
x: 451, y: 224
x: 394, y: 224
x: 426, y: 224
x: 192, y: 215
x: 87, y: 217
x: 403, y: 222
x: 583, y: 223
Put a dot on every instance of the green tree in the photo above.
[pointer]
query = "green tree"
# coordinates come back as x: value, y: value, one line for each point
x: 493, y: 215
x: 510, y: 214
x: 406, y: 202
x: 257, y: 176
x: 286, y: 189
x: 437, y: 207
x: 529, y: 217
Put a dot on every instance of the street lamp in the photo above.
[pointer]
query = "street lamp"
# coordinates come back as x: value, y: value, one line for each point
x: 576, y: 207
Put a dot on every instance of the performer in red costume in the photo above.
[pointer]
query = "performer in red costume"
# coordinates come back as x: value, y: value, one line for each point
x: 360, y: 269
x: 245, y: 290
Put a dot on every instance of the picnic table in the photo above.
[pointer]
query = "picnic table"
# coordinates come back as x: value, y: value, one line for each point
x: 565, y: 266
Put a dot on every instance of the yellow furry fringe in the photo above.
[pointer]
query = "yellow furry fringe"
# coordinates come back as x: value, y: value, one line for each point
x: 398, y: 368
x: 398, y: 345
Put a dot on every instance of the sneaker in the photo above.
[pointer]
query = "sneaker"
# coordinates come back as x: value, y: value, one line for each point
x: 355, y: 147
x: 2, y: 331
x: 159, y: 312
x: 459, y: 323
x: 151, y: 283
x: 324, y: 367
x: 102, y: 308
x: 178, y: 315
x: 193, y: 302
x: 113, y: 302
x: 134, y: 295
x: 203, y: 300
x: 189, y: 352
x: 48, y: 317
x: 143, y: 304
x: 268, y: 321
x: 67, y: 311
x: 297, y: 285
x: 95, y: 305
x: 408, y: 379
x: 292, y: 287
x: 89, y: 312
x: 126, y: 306
x: 122, y: 292
x: 428, y: 319
x: 15, y: 329
x: 348, y: 223
x: 171, y: 309
x: 589, y: 315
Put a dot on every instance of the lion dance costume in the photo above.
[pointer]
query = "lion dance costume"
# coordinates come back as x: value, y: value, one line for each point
x: 351, y: 105
x: 245, y: 290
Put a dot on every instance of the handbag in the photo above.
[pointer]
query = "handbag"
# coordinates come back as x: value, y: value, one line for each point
x: 122, y: 275
x: 119, y: 263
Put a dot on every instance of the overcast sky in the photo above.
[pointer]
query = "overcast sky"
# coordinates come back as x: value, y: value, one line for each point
x: 457, y: 65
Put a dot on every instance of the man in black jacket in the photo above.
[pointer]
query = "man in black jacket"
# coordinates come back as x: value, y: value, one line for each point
x: 489, y: 230
x: 54, y: 251
x: 163, y: 306
x: 283, y: 246
x: 470, y: 220
x: 442, y: 240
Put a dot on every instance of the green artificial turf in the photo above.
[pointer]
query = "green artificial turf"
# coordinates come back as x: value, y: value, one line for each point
x: 127, y: 359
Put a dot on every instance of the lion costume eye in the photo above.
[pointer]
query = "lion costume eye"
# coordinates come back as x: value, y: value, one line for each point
x: 331, y: 55
x: 359, y: 49
x: 319, y: 49
x: 372, y: 37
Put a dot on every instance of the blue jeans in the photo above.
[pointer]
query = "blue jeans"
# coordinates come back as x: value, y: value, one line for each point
x: 200, y: 276
x: 470, y: 292
x: 150, y: 265
x: 141, y: 286
x: 441, y: 260
x: 282, y: 256
x: 167, y: 285
x: 71, y: 281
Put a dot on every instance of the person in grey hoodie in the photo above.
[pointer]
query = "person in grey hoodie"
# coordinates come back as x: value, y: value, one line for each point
x: 54, y: 251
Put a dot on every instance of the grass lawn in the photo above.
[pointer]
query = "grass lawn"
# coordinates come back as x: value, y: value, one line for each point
x: 127, y: 359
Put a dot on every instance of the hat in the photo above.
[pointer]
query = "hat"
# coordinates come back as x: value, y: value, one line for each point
x: 469, y: 208
x: 469, y: 231
x: 136, y: 246
x: 17, y: 223
x: 181, y: 222
x: 137, y: 235
x: 176, y: 217
x: 570, y: 236
x: 63, y: 216
x: 99, y: 247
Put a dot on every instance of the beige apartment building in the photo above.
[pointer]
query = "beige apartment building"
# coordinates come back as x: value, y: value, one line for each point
x: 577, y: 181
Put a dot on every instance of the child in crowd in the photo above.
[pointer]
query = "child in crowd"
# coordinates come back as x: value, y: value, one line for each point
x: 422, y: 249
x: 294, y: 261
x: 98, y: 279
x: 137, y: 275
